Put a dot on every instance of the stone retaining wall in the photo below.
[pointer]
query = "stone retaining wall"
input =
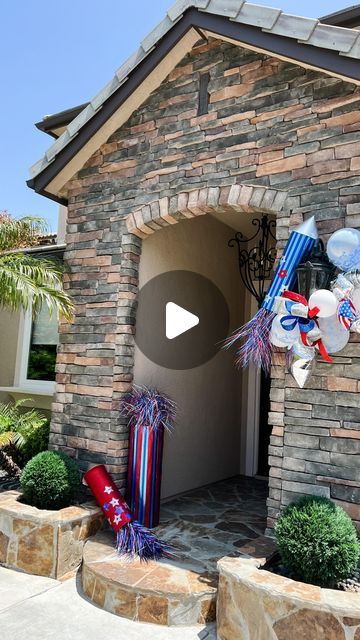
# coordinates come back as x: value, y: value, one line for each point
x: 41, y: 542
x: 258, y: 604
x: 269, y: 124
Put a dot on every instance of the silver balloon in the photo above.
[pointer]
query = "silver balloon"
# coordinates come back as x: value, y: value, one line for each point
x: 334, y: 336
x: 301, y: 363
x: 343, y: 249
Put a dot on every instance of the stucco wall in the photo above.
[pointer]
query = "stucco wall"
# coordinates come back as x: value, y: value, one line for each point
x: 272, y: 124
x: 206, y: 440
x: 9, y: 327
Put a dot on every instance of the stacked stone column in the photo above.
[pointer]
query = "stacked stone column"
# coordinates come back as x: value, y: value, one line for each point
x: 95, y: 358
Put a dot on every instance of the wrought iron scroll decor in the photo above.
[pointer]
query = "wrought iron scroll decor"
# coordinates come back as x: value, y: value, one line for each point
x: 256, y: 262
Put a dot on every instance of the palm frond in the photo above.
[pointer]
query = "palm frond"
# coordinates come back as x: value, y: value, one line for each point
x: 17, y: 233
x: 18, y: 439
x: 19, y: 424
x: 12, y: 437
x: 6, y: 438
x: 28, y: 281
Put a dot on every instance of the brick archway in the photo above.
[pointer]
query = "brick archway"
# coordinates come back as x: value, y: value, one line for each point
x: 197, y: 202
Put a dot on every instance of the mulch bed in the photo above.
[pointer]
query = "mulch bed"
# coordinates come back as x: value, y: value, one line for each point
x: 274, y: 565
x: 8, y: 482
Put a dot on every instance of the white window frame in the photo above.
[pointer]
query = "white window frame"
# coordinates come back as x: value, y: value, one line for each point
x: 21, y: 382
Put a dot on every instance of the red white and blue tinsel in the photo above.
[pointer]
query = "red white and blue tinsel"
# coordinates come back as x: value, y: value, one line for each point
x: 254, y: 335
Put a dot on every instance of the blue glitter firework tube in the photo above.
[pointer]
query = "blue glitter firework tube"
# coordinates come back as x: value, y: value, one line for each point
x: 256, y: 346
x: 298, y: 247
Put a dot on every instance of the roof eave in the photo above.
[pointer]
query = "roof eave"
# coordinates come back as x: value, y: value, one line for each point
x: 348, y: 18
x: 327, y: 61
x: 58, y: 120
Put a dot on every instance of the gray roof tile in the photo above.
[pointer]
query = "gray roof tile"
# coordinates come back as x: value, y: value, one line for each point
x: 306, y: 30
x: 38, y: 166
x: 329, y: 37
x: 227, y: 8
x: 258, y: 15
x: 293, y: 26
x: 156, y: 34
x: 80, y: 120
x: 181, y: 6
x: 105, y: 93
x: 130, y: 64
x: 57, y: 145
x: 355, y: 49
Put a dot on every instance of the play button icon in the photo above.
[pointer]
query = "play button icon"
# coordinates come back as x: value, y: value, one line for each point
x: 178, y: 320
x: 182, y: 320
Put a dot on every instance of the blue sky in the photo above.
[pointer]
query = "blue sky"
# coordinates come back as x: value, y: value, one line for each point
x: 57, y: 55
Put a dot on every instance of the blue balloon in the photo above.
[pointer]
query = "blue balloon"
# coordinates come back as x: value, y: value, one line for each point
x: 343, y: 249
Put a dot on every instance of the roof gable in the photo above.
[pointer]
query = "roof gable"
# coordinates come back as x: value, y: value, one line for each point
x: 333, y: 50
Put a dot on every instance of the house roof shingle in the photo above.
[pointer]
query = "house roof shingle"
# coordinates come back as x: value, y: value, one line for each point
x: 348, y: 17
x: 309, y: 31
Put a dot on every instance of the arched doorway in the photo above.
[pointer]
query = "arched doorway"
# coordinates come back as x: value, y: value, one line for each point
x: 222, y: 429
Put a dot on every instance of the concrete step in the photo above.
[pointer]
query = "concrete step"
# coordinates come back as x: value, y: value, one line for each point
x: 169, y: 592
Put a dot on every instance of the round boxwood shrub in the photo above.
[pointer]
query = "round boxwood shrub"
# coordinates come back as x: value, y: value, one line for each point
x: 317, y: 541
x: 36, y: 441
x: 50, y: 480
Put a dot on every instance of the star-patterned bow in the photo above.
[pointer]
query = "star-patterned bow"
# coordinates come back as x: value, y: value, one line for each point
x: 346, y: 313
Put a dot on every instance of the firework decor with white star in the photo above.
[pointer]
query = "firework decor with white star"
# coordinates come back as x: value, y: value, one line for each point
x: 133, y: 539
x: 254, y: 335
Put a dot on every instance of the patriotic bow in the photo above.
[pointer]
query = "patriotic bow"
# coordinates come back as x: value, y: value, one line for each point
x: 297, y: 308
x: 346, y: 313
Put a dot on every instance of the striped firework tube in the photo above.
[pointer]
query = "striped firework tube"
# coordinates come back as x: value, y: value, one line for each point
x: 297, y: 249
x: 144, y: 474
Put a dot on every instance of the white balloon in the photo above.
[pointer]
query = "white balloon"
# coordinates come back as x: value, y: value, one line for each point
x: 325, y: 301
x: 279, y: 336
x: 334, y: 336
x: 276, y: 341
x: 343, y: 249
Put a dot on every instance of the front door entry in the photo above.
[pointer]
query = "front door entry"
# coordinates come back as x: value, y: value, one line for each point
x: 264, y: 427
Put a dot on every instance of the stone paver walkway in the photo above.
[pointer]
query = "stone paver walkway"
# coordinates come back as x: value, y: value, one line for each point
x: 226, y: 518
x: 35, y: 608
x: 223, y: 519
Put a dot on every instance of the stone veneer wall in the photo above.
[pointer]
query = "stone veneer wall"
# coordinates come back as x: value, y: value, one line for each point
x: 269, y: 123
x: 253, y: 603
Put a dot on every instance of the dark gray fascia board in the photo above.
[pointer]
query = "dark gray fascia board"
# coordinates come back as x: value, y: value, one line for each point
x: 61, y: 119
x: 325, y: 59
x: 349, y: 17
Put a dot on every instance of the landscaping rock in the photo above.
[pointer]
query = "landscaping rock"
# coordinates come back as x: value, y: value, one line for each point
x: 42, y: 542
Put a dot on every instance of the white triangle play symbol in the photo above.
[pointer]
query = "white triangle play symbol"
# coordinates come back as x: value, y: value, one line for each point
x: 178, y: 320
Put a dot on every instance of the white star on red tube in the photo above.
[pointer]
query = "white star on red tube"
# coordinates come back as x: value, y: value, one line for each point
x: 108, y: 490
x: 114, y: 502
x: 117, y: 519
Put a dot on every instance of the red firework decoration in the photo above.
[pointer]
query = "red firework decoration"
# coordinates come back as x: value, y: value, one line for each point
x: 132, y: 538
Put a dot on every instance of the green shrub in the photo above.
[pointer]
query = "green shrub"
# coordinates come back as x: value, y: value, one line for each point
x: 317, y: 541
x: 50, y: 480
x: 36, y: 441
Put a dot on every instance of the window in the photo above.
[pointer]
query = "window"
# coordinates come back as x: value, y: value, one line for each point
x: 44, y: 339
x: 36, y: 355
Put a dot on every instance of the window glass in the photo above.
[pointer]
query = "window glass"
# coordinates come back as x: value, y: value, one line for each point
x: 43, y: 345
